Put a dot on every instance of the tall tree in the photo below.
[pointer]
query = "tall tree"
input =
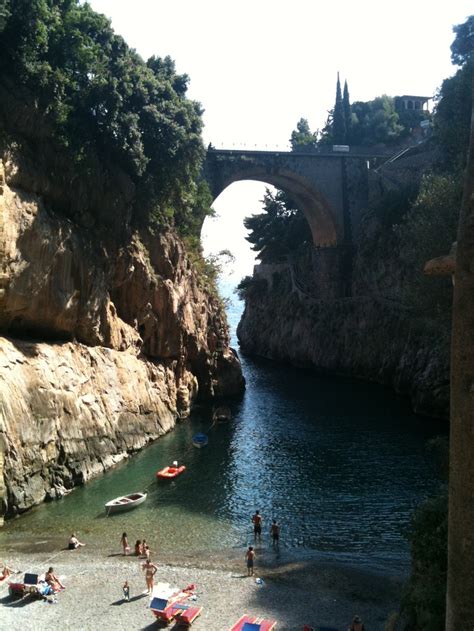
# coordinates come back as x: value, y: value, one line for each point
x: 338, y: 123
x: 302, y: 138
x: 346, y: 106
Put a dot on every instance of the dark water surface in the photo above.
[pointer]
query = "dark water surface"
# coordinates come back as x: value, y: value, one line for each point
x: 340, y: 464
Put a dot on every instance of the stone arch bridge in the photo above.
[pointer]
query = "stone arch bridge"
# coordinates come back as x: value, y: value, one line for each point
x: 330, y: 188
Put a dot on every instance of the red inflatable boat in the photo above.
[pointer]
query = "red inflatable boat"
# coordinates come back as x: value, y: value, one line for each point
x: 170, y: 472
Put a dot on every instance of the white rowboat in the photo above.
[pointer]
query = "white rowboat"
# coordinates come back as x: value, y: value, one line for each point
x: 124, y: 503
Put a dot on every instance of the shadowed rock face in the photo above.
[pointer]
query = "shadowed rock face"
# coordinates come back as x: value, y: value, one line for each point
x: 125, y: 340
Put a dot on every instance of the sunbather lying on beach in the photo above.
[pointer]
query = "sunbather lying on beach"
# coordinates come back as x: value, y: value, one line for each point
x: 6, y: 572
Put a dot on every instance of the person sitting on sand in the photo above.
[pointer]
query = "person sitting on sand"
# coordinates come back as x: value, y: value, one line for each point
x: 138, y: 548
x: 150, y: 571
x: 6, y: 572
x: 357, y: 624
x: 74, y: 543
x: 124, y: 542
x: 53, y: 580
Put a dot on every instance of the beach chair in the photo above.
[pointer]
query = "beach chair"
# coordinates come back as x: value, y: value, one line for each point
x: 252, y: 623
x: 163, y: 609
x: 186, y: 614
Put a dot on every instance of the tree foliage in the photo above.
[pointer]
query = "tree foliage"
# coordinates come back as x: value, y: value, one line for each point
x: 279, y: 230
x: 462, y: 48
x: 302, y: 138
x: 100, y: 101
x: 375, y: 122
x: 452, y: 119
x: 424, y: 602
x: 427, y: 231
x: 346, y: 106
x: 338, y: 118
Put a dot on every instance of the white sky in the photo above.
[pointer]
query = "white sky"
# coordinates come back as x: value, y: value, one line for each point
x: 258, y: 66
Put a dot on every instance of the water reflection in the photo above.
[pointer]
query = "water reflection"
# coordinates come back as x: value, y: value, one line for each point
x: 341, y: 465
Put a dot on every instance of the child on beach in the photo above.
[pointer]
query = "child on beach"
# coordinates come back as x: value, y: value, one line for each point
x: 126, y: 591
x: 124, y: 542
x: 146, y: 552
x: 138, y: 548
x: 249, y: 557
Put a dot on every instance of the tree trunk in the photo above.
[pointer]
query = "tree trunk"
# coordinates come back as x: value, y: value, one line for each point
x: 460, y: 589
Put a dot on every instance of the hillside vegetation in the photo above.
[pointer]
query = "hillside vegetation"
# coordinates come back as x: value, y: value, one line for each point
x: 97, y: 119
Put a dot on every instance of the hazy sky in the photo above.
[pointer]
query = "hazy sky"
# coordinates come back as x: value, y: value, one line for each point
x: 258, y: 66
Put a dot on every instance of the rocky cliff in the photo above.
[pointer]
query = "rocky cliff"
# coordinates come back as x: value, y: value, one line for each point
x: 361, y: 337
x: 109, y: 337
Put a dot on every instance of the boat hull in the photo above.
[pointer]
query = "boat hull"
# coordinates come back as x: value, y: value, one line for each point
x: 119, y: 505
x: 168, y: 473
x: 200, y: 440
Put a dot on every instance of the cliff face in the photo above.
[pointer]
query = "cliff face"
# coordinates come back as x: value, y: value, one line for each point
x: 292, y: 314
x: 360, y: 337
x: 119, y: 338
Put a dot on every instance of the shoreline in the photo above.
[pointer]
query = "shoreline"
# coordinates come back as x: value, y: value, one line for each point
x: 294, y: 592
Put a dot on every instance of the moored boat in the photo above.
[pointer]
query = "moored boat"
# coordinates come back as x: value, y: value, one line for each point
x: 168, y: 473
x: 124, y: 503
x: 200, y: 440
x: 222, y: 413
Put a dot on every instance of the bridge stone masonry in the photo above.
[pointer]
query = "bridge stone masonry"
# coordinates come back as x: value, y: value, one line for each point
x: 329, y: 187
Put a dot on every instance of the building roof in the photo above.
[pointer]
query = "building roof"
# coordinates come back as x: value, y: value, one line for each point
x: 415, y: 98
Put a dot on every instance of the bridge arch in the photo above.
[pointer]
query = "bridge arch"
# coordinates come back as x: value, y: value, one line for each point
x: 316, y: 209
x: 329, y: 188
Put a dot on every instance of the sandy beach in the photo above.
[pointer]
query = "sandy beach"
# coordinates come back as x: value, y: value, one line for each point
x: 294, y: 591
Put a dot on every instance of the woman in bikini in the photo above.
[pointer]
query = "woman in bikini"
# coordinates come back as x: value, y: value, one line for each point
x: 53, y: 580
x: 150, y: 571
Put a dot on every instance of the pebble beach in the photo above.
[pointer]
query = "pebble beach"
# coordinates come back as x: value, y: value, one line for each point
x: 292, y: 591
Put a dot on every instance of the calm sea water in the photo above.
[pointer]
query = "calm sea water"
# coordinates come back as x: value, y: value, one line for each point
x: 340, y: 464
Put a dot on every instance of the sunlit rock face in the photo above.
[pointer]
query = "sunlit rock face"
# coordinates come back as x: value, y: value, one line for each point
x: 108, y: 340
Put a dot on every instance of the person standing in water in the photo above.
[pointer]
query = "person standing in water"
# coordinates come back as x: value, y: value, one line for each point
x: 275, y: 533
x: 257, y: 525
x: 357, y: 624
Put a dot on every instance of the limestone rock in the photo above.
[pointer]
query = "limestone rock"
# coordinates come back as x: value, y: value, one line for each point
x: 125, y: 337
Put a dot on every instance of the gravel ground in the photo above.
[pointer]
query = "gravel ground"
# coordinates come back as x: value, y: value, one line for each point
x: 294, y: 592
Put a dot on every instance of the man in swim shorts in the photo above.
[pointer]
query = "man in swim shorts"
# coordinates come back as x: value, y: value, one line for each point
x: 257, y: 525
x: 249, y: 557
x: 275, y: 533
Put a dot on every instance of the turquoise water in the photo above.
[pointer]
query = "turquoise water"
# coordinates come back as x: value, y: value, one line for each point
x: 340, y: 464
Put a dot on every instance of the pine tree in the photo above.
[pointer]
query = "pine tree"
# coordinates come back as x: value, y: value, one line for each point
x: 346, y: 105
x: 338, y: 123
